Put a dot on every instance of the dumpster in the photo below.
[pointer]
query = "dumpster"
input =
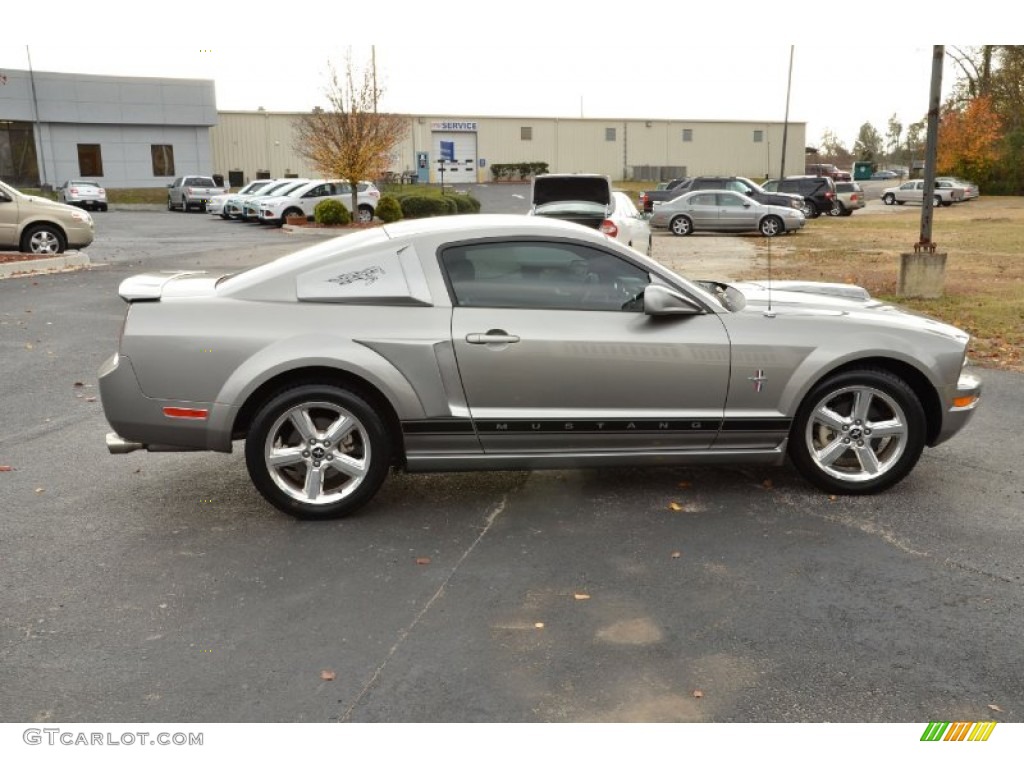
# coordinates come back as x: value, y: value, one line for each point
x: 861, y: 171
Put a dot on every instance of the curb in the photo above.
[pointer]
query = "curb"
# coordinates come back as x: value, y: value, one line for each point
x: 29, y: 267
x: 316, y: 231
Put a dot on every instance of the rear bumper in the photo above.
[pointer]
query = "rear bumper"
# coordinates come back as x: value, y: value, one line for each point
x: 141, y: 423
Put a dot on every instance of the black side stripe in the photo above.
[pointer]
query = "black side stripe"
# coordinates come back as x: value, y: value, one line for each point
x: 502, y: 426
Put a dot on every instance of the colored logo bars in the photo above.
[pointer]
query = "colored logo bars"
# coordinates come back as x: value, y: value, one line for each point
x: 958, y: 731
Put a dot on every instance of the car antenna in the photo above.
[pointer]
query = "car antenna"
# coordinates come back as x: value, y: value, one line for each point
x: 769, y: 312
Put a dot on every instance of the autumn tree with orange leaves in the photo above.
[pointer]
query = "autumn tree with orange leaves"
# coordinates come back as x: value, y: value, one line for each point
x: 970, y: 140
x: 350, y: 140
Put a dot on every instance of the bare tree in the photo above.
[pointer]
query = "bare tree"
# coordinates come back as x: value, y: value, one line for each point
x: 351, y: 139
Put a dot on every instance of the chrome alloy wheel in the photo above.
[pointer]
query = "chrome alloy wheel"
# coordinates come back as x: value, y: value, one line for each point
x: 317, y: 453
x: 856, y: 434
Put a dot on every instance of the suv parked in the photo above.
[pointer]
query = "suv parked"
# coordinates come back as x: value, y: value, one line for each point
x: 746, y: 187
x: 818, y: 192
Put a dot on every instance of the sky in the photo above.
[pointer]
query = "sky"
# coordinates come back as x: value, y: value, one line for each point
x: 452, y: 60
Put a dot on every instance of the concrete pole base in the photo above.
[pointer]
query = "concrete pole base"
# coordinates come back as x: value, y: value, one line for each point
x: 922, y: 275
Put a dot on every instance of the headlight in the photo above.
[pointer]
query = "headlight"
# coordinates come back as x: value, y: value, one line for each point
x: 81, y: 216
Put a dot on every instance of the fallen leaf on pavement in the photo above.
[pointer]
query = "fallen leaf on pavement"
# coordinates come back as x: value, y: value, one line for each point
x: 78, y: 384
x: 698, y: 694
x: 327, y: 674
x: 90, y: 399
x: 5, y: 468
x: 539, y: 625
x: 675, y: 507
x: 581, y: 596
x: 40, y: 490
x: 676, y: 555
x: 28, y: 346
x: 422, y: 561
x: 995, y: 707
x: 831, y: 498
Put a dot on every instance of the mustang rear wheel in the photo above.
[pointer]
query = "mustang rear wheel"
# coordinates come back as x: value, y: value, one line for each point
x: 317, y: 451
x: 858, y: 432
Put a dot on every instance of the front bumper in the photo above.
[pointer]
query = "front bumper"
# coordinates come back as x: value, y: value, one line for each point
x: 961, y: 407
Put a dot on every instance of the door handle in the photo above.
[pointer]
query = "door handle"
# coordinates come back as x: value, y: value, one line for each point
x: 493, y: 336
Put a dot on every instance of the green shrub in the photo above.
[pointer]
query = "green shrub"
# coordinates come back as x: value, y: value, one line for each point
x: 422, y: 206
x: 464, y: 204
x: 331, y: 212
x: 389, y: 209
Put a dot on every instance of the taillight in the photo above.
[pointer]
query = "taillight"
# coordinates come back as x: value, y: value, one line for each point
x: 74, y: 190
x: 853, y: 198
x: 830, y: 195
x: 609, y: 228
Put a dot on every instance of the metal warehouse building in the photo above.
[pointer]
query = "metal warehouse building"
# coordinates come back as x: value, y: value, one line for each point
x: 248, y: 145
x: 143, y: 132
x: 123, y: 131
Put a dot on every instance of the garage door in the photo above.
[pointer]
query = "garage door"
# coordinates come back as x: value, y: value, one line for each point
x: 460, y: 148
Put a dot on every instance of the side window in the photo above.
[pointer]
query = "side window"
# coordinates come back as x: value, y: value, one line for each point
x: 535, y: 275
x: 730, y: 201
x: 736, y: 186
x: 704, y: 199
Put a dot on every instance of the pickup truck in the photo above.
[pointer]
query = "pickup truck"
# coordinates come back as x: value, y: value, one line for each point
x: 188, y: 192
x: 664, y: 191
x: 945, y: 193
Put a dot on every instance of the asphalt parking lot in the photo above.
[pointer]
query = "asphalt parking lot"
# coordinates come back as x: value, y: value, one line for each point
x: 162, y: 588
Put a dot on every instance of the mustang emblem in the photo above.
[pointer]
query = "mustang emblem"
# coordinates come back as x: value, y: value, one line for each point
x: 370, y: 275
x: 759, y: 379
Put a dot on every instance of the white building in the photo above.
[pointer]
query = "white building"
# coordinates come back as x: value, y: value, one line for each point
x: 122, y: 131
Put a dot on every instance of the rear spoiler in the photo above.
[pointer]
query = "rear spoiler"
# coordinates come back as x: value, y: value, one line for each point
x: 149, y: 286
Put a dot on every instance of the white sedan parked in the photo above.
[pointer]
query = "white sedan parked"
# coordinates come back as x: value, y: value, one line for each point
x: 302, y: 201
x: 218, y: 203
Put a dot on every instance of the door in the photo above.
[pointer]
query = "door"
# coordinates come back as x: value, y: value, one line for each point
x: 556, y: 354
x: 736, y: 212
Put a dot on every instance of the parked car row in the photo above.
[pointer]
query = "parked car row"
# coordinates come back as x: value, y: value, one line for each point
x: 271, y: 201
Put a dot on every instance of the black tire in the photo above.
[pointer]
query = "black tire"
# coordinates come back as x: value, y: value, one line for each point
x: 681, y: 226
x: 289, y: 212
x: 770, y: 226
x: 900, y: 202
x: 103, y: 207
x: 937, y: 201
x: 847, y: 212
x: 44, y: 240
x: 364, y: 214
x: 838, y: 209
x: 812, y: 210
x: 888, y: 198
x: 170, y: 205
x: 835, y: 442
x: 312, y: 464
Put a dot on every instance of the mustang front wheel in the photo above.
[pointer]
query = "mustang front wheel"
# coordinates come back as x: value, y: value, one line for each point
x: 858, y: 432
x: 317, y: 451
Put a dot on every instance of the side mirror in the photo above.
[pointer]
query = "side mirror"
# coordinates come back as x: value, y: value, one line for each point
x: 660, y: 301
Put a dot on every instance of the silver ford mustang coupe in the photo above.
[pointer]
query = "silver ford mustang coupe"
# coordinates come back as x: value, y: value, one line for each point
x: 513, y: 342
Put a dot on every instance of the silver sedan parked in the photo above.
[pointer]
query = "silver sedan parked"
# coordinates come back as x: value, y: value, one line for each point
x: 518, y: 342
x: 723, y: 211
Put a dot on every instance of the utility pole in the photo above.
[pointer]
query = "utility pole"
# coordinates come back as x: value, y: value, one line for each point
x: 38, y: 128
x: 923, y: 272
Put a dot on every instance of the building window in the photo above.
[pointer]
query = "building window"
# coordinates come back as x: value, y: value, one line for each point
x: 609, y: 134
x: 526, y: 133
x: 163, y: 159
x: 18, y: 164
x: 758, y: 137
x: 90, y: 160
x: 687, y: 134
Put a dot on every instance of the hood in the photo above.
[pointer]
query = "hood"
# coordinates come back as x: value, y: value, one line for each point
x: 832, y: 299
x: 573, y: 187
